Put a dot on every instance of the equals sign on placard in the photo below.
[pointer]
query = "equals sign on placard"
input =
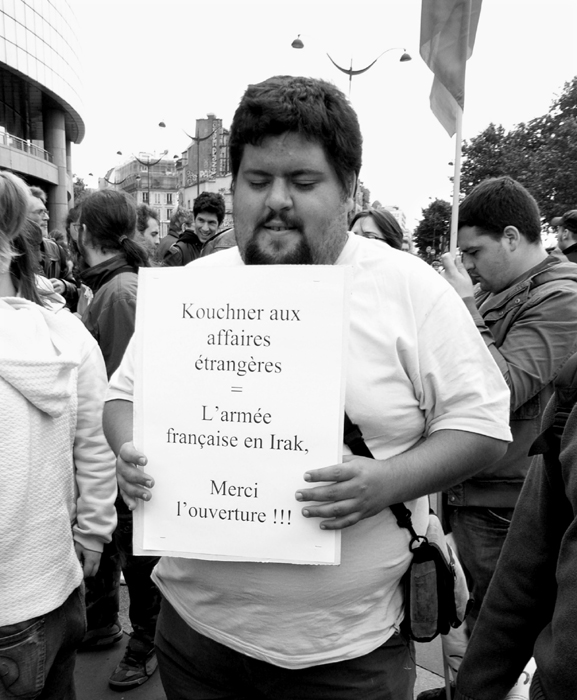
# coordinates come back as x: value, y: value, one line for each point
x: 236, y: 389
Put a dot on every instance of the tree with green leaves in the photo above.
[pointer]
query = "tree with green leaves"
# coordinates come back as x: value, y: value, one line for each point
x: 432, y: 235
x: 79, y: 189
x: 541, y: 154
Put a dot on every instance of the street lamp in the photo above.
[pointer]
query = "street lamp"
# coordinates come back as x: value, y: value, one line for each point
x: 116, y: 182
x: 197, y: 140
x: 148, y: 164
x: 350, y: 72
x: 298, y: 44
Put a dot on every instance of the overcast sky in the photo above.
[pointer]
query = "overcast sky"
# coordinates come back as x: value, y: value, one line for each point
x: 177, y: 60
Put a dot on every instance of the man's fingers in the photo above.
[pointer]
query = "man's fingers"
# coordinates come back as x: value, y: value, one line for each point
x: 337, y: 509
x: 337, y: 472
x: 129, y: 454
x: 133, y: 483
x: 131, y: 490
x: 131, y: 475
x: 331, y: 492
x: 128, y: 500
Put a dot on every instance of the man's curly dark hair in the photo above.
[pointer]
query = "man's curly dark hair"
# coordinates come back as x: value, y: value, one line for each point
x: 211, y: 203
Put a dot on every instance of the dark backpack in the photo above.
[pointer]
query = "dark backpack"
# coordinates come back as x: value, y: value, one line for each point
x: 565, y: 398
x: 52, y: 259
x: 187, y: 252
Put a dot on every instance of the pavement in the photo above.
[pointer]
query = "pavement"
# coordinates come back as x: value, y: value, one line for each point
x: 94, y: 668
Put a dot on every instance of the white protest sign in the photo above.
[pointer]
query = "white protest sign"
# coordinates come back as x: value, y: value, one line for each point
x: 239, y: 389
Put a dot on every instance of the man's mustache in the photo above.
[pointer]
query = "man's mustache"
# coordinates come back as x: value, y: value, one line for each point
x: 287, y: 220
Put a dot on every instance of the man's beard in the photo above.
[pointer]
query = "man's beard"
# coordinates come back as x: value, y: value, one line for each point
x: 274, y: 254
x: 301, y: 254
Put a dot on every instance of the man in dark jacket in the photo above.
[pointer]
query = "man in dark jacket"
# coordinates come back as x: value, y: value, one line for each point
x: 180, y: 220
x: 51, y: 258
x: 525, y: 307
x: 531, y: 607
x: 567, y: 234
x: 208, y: 210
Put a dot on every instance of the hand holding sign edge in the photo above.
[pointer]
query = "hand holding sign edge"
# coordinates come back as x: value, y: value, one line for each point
x: 133, y: 483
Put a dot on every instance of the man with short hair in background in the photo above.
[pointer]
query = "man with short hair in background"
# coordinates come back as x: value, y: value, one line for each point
x: 524, y: 304
x: 208, y: 211
x: 38, y: 211
x: 421, y: 385
x: 147, y: 229
x: 567, y: 234
x: 52, y: 260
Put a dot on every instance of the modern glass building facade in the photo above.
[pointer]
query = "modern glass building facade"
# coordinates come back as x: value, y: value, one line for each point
x: 40, y: 96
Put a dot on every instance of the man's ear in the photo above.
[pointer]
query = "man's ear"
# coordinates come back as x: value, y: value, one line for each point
x: 512, y: 237
x: 350, y: 199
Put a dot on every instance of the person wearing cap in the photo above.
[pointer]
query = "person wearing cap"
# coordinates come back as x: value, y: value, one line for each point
x: 567, y: 234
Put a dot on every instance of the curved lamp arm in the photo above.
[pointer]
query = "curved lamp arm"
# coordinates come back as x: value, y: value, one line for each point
x: 350, y: 72
x: 110, y: 182
x: 198, y: 139
x: 150, y: 163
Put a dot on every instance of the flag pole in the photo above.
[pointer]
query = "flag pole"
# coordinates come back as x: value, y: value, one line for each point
x: 456, y: 180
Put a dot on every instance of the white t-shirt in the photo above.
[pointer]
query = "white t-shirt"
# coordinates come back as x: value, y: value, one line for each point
x: 417, y: 364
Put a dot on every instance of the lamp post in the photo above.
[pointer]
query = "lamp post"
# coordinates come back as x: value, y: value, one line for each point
x: 149, y: 164
x: 298, y: 44
x: 197, y: 140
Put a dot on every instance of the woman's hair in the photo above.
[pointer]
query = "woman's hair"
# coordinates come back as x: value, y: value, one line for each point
x: 386, y: 223
x: 14, y: 200
x: 24, y: 263
x: 110, y: 220
x: 16, y: 253
x: 78, y: 262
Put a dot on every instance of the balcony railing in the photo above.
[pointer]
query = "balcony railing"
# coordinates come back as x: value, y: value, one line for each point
x: 25, y: 146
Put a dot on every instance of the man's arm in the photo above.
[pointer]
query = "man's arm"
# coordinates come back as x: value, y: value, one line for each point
x: 133, y: 483
x: 362, y: 487
x: 537, y: 344
x: 523, y: 593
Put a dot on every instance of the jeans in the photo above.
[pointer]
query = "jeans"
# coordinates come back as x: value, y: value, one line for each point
x: 143, y: 593
x: 102, y: 590
x: 194, y: 667
x: 37, y: 656
x: 479, y: 534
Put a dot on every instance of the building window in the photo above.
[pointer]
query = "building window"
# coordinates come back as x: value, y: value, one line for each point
x: 169, y: 197
x: 157, y: 197
x: 145, y: 197
x: 168, y: 213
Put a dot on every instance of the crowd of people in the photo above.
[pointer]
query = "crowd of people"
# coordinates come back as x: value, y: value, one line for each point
x: 451, y: 377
